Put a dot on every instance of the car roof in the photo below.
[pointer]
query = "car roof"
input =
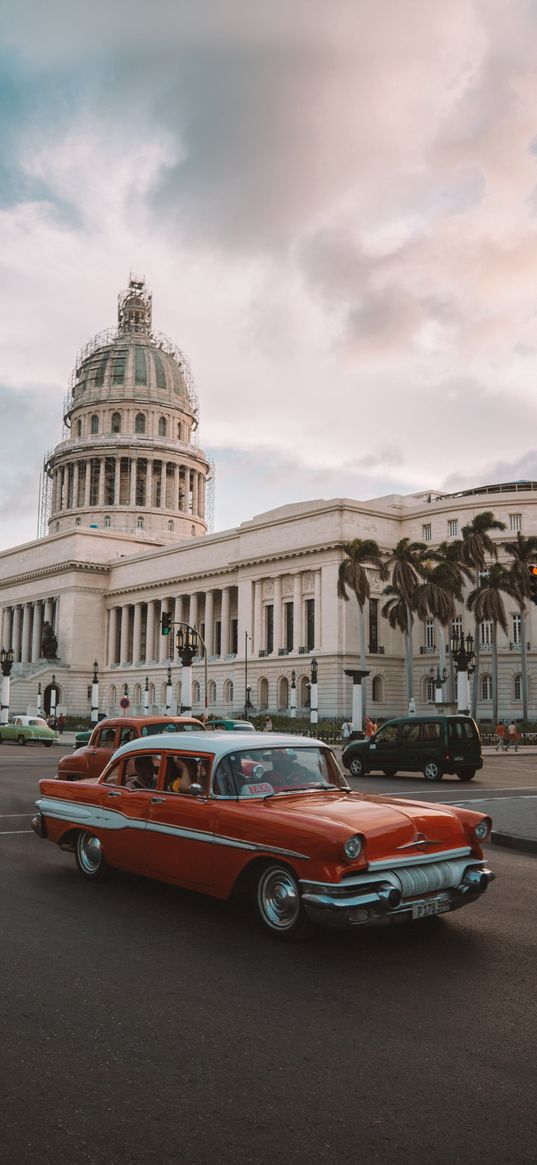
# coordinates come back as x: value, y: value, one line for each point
x: 108, y: 721
x: 218, y: 743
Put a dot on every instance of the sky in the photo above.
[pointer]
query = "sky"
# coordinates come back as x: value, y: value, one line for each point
x: 334, y: 204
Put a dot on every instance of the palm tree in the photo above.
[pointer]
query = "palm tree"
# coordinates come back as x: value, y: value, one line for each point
x: 352, y: 574
x: 523, y: 552
x: 406, y: 561
x: 476, y: 544
x: 488, y: 606
x: 450, y: 574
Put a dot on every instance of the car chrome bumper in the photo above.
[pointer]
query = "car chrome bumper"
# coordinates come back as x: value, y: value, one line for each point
x: 375, y: 899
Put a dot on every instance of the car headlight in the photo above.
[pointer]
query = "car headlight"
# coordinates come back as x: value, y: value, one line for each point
x: 353, y: 847
x: 482, y: 830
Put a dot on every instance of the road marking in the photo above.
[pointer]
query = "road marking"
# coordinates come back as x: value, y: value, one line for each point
x: 3, y: 816
x: 12, y: 832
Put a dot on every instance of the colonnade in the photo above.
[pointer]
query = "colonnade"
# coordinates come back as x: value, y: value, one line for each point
x: 137, y: 482
x: 22, y: 627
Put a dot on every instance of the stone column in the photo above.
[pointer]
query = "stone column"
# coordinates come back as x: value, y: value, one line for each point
x: 112, y: 635
x: 150, y: 633
x: 6, y: 627
x: 76, y: 471
x: 178, y: 613
x: 317, y: 612
x: 16, y: 644
x: 202, y: 495
x: 194, y: 493
x: 37, y: 631
x: 277, y: 631
x: 124, y: 641
x: 225, y: 621
x: 258, y: 617
x: 137, y: 633
x: 193, y: 616
x: 209, y: 622
x: 26, y: 632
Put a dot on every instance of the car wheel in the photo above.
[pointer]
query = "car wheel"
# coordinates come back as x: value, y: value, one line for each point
x: 276, y: 899
x: 390, y: 772
x: 466, y: 774
x: 89, y: 857
x: 432, y: 771
x: 356, y: 766
x: 21, y: 740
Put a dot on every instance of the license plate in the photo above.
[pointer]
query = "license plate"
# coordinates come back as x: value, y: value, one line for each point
x: 433, y: 906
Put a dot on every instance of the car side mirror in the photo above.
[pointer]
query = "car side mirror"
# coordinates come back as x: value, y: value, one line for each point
x: 195, y: 789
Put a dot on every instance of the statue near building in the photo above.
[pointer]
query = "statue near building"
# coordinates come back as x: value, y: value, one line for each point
x: 49, y: 643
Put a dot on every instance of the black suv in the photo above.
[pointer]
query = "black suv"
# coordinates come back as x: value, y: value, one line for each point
x: 432, y: 745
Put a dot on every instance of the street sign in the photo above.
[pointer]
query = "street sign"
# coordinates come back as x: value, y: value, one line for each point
x: 124, y: 702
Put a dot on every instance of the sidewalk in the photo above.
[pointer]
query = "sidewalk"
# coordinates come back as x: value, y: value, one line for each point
x: 514, y: 818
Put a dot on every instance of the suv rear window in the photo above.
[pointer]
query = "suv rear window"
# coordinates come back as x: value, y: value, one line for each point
x: 462, y: 730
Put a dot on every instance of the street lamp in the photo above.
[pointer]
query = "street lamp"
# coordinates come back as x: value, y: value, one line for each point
x: 314, y: 694
x: 95, y: 693
x: 169, y: 691
x: 53, y: 695
x: 439, y: 680
x: 463, y: 655
x: 146, y: 696
x: 6, y: 663
x: 188, y: 641
x: 246, y: 688
x: 39, y: 704
x: 292, y: 704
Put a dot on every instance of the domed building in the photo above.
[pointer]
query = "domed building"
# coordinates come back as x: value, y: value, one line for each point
x: 130, y: 461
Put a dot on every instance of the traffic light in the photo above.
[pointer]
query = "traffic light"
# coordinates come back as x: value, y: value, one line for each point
x: 166, y: 622
x: 532, y: 571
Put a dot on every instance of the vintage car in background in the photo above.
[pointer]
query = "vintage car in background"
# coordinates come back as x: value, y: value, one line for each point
x: 90, y: 759
x: 224, y: 725
x: 272, y: 816
x: 28, y: 730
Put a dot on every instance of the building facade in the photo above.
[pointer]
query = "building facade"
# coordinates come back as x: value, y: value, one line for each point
x: 127, y: 542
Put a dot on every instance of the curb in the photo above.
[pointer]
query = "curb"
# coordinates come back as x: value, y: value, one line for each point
x: 524, y: 845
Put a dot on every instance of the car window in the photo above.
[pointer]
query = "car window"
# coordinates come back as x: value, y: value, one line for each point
x: 106, y: 738
x: 113, y: 775
x: 140, y: 771
x: 261, y: 771
x: 430, y: 731
x: 462, y: 730
x: 126, y: 734
x: 158, y: 729
x: 410, y: 733
x: 185, y: 769
x: 387, y: 735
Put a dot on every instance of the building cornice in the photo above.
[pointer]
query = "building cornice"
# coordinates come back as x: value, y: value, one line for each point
x: 53, y: 570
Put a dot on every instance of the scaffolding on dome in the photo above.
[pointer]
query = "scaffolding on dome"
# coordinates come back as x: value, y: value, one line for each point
x: 45, y: 498
x: 209, y: 496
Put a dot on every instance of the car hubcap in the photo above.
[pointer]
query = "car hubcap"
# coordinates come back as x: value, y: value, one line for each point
x: 278, y: 899
x: 90, y: 853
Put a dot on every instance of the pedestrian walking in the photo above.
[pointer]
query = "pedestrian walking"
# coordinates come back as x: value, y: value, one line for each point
x: 61, y: 723
x: 368, y: 727
x: 346, y: 729
x: 513, y: 734
x: 268, y: 724
x: 501, y: 737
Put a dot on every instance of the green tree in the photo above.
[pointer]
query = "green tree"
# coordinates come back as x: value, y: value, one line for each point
x: 487, y: 605
x: 476, y: 545
x: 352, y: 575
x: 407, y: 563
x: 523, y: 551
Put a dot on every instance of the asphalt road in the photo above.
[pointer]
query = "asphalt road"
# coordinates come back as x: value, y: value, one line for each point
x: 142, y: 1024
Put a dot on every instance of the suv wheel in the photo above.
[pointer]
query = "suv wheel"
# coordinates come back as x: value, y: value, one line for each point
x: 432, y: 771
x: 357, y: 766
x: 466, y: 774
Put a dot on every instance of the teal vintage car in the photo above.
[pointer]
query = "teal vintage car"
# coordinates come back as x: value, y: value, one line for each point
x: 27, y: 730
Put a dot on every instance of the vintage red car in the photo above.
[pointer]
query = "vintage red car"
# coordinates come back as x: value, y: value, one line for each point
x: 220, y: 812
x: 110, y: 734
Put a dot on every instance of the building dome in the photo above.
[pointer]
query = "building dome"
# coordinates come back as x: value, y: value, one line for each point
x: 130, y: 460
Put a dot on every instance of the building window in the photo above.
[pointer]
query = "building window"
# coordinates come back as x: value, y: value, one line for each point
x: 515, y: 522
x: 228, y: 692
x: 426, y: 532
x: 517, y: 688
x: 95, y: 476
x: 179, y: 431
x: 262, y: 694
x: 486, y: 633
x: 108, y: 521
x: 453, y: 527
x: 269, y: 629
x: 77, y: 521
x: 310, y: 624
x: 211, y: 689
x: 170, y: 525
x: 118, y: 373
x: 377, y: 689
x: 94, y: 424
x: 140, y: 373
x: 429, y: 633
x: 139, y: 424
x: 515, y: 627
x: 79, y: 428
x: 159, y: 370
x: 195, y: 692
x: 193, y: 531
x: 429, y: 690
x: 140, y: 523
x: 456, y: 626
x: 141, y: 480
x: 485, y: 687
x: 162, y: 426
x: 283, y: 694
x: 116, y: 422
x: 289, y: 624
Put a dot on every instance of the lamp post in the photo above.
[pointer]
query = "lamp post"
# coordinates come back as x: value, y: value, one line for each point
x: 6, y: 663
x: 169, y: 691
x: 246, y: 688
x: 314, y: 694
x: 146, y: 696
x: 188, y: 641
x: 95, y: 693
x: 39, y: 704
x: 463, y: 655
x: 292, y: 703
x: 439, y: 681
x: 53, y: 695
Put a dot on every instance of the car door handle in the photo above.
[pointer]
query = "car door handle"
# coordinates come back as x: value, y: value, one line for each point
x: 158, y: 800
x: 114, y: 793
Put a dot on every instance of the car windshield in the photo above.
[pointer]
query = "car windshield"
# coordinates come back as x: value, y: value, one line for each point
x: 165, y: 726
x: 38, y: 723
x: 262, y: 772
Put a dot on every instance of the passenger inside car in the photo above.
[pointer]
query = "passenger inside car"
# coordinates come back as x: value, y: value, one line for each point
x: 144, y: 777
x: 182, y: 772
